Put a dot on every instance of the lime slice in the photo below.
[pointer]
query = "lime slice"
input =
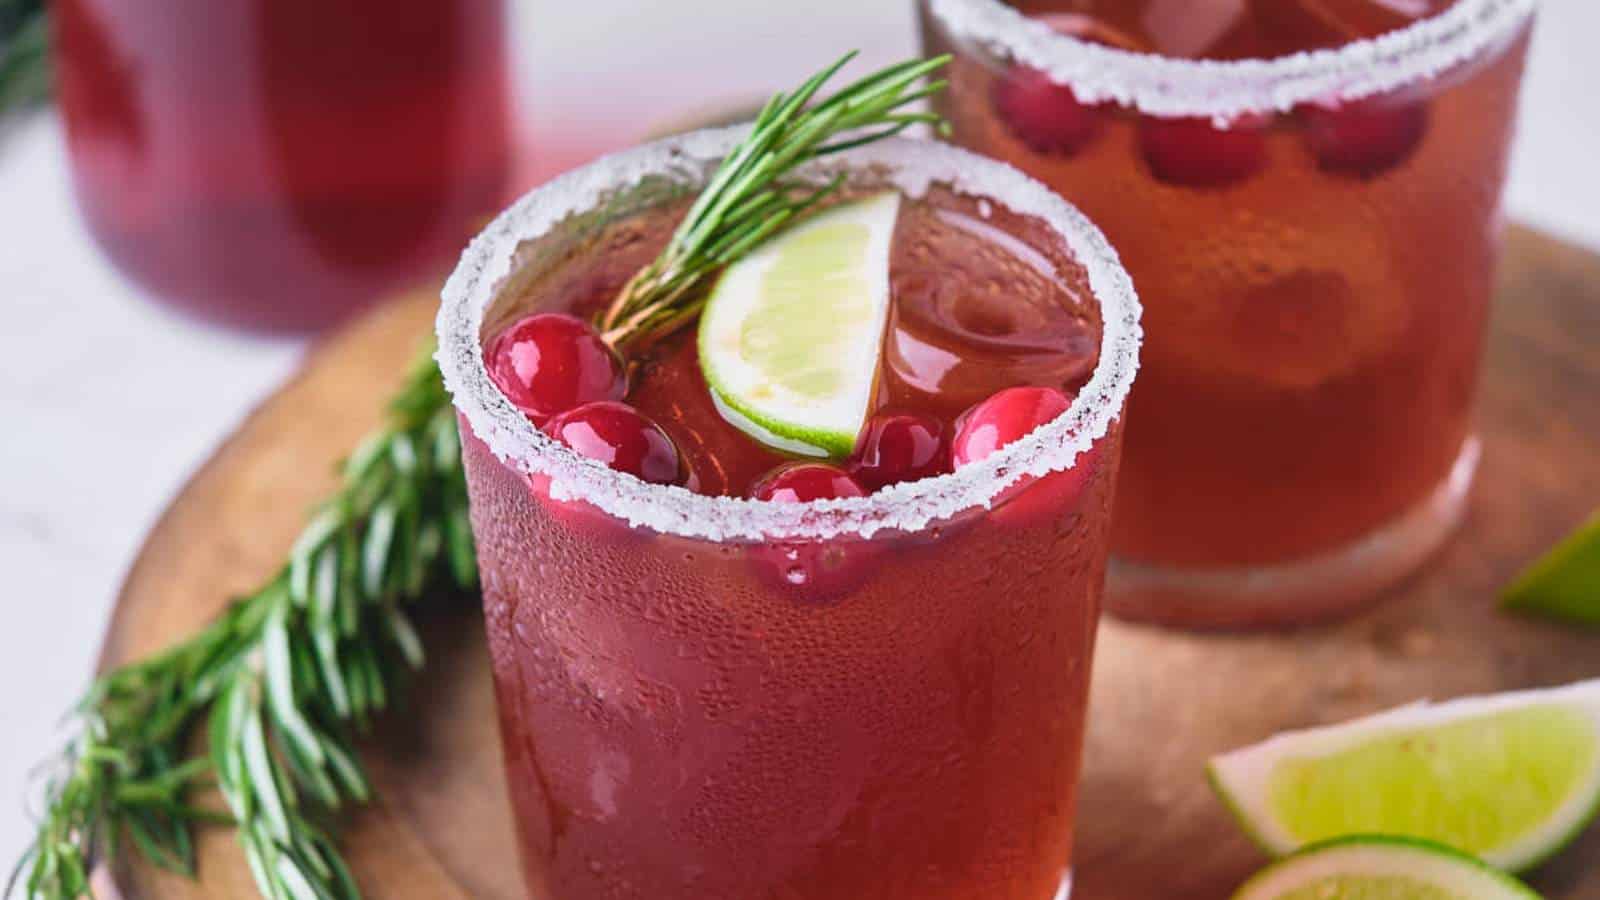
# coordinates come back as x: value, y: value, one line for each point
x: 1510, y: 778
x: 1382, y: 868
x: 791, y: 334
x: 1564, y: 583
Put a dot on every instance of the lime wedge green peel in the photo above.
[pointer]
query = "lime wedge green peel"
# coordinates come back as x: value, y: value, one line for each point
x: 1510, y: 778
x: 1382, y: 868
x: 1564, y: 583
x: 791, y: 334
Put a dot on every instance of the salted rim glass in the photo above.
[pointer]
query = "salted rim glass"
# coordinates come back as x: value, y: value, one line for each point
x: 1226, y: 89
x: 685, y: 163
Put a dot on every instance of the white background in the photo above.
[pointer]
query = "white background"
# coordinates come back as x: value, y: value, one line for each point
x: 106, y: 402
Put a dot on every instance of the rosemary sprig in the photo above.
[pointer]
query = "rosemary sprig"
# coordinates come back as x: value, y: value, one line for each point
x: 281, y: 680
x: 286, y: 676
x: 24, y: 54
x: 747, y: 201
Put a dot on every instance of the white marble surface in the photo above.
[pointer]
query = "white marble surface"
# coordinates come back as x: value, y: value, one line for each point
x: 109, y: 403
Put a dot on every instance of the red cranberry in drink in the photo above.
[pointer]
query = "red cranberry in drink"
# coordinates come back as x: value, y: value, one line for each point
x: 622, y: 438
x: 1042, y: 114
x: 1008, y: 416
x: 805, y: 482
x: 1194, y: 152
x: 896, y: 447
x: 1005, y: 417
x: 814, y: 571
x: 549, y: 363
x: 1364, y: 137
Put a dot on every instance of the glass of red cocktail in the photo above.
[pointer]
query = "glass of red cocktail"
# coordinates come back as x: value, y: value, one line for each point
x: 1308, y: 196
x: 275, y: 165
x: 707, y: 694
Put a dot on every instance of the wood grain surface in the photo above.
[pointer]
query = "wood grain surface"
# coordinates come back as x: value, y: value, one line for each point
x: 1163, y: 701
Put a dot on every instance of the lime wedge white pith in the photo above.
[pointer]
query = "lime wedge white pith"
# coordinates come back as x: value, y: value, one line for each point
x: 1382, y: 868
x: 791, y: 334
x: 1510, y: 778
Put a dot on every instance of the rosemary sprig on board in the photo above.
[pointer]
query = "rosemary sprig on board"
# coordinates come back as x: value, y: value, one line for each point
x: 747, y: 200
x: 288, y: 674
x: 281, y: 681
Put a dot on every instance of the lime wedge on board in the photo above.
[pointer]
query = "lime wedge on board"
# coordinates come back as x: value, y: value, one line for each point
x: 1382, y: 868
x: 791, y: 334
x: 1510, y: 778
x: 1564, y: 583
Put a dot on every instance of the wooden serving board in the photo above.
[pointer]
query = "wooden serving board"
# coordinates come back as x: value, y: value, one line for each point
x: 1149, y: 828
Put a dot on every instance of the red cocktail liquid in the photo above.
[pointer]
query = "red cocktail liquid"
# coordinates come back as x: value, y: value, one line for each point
x: 889, y: 715
x: 1317, y: 283
x: 968, y: 316
x: 274, y: 164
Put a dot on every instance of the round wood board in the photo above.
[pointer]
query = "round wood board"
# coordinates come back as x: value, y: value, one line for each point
x: 1163, y: 701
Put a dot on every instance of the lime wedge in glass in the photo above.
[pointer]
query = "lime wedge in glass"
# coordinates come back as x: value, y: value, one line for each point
x: 1564, y: 583
x: 1510, y: 778
x: 791, y: 334
x: 1382, y: 868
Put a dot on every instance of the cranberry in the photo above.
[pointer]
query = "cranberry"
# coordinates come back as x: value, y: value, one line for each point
x: 1042, y: 114
x: 897, y: 447
x: 1011, y: 415
x: 804, y: 482
x: 1364, y: 137
x: 1194, y: 152
x: 1005, y: 417
x: 622, y: 438
x: 814, y: 571
x: 549, y: 363
x: 1048, y: 116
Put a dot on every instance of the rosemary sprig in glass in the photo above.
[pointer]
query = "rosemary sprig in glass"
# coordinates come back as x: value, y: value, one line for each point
x: 287, y: 675
x: 747, y: 200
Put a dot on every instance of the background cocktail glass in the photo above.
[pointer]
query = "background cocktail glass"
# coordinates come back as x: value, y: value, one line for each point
x: 276, y: 164
x: 1315, y: 239
x: 678, y: 720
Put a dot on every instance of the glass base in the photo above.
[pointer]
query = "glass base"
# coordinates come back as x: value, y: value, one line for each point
x: 1307, y: 590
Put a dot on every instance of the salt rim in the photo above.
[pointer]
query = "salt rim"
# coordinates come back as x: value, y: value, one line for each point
x: 912, y: 166
x: 1169, y: 86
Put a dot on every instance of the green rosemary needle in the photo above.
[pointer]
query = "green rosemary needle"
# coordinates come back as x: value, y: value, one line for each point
x: 24, y: 54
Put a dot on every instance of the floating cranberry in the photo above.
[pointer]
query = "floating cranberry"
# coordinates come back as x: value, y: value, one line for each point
x: 1005, y: 417
x: 1042, y: 114
x: 1008, y: 416
x: 804, y: 482
x: 1194, y: 152
x: 814, y: 571
x: 897, y: 447
x: 622, y: 438
x: 1364, y: 137
x: 549, y: 363
x: 1048, y: 116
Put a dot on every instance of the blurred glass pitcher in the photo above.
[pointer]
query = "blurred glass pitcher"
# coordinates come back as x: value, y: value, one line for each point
x: 275, y: 164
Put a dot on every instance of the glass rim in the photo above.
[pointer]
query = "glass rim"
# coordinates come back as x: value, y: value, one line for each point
x: 909, y: 164
x: 1224, y: 89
